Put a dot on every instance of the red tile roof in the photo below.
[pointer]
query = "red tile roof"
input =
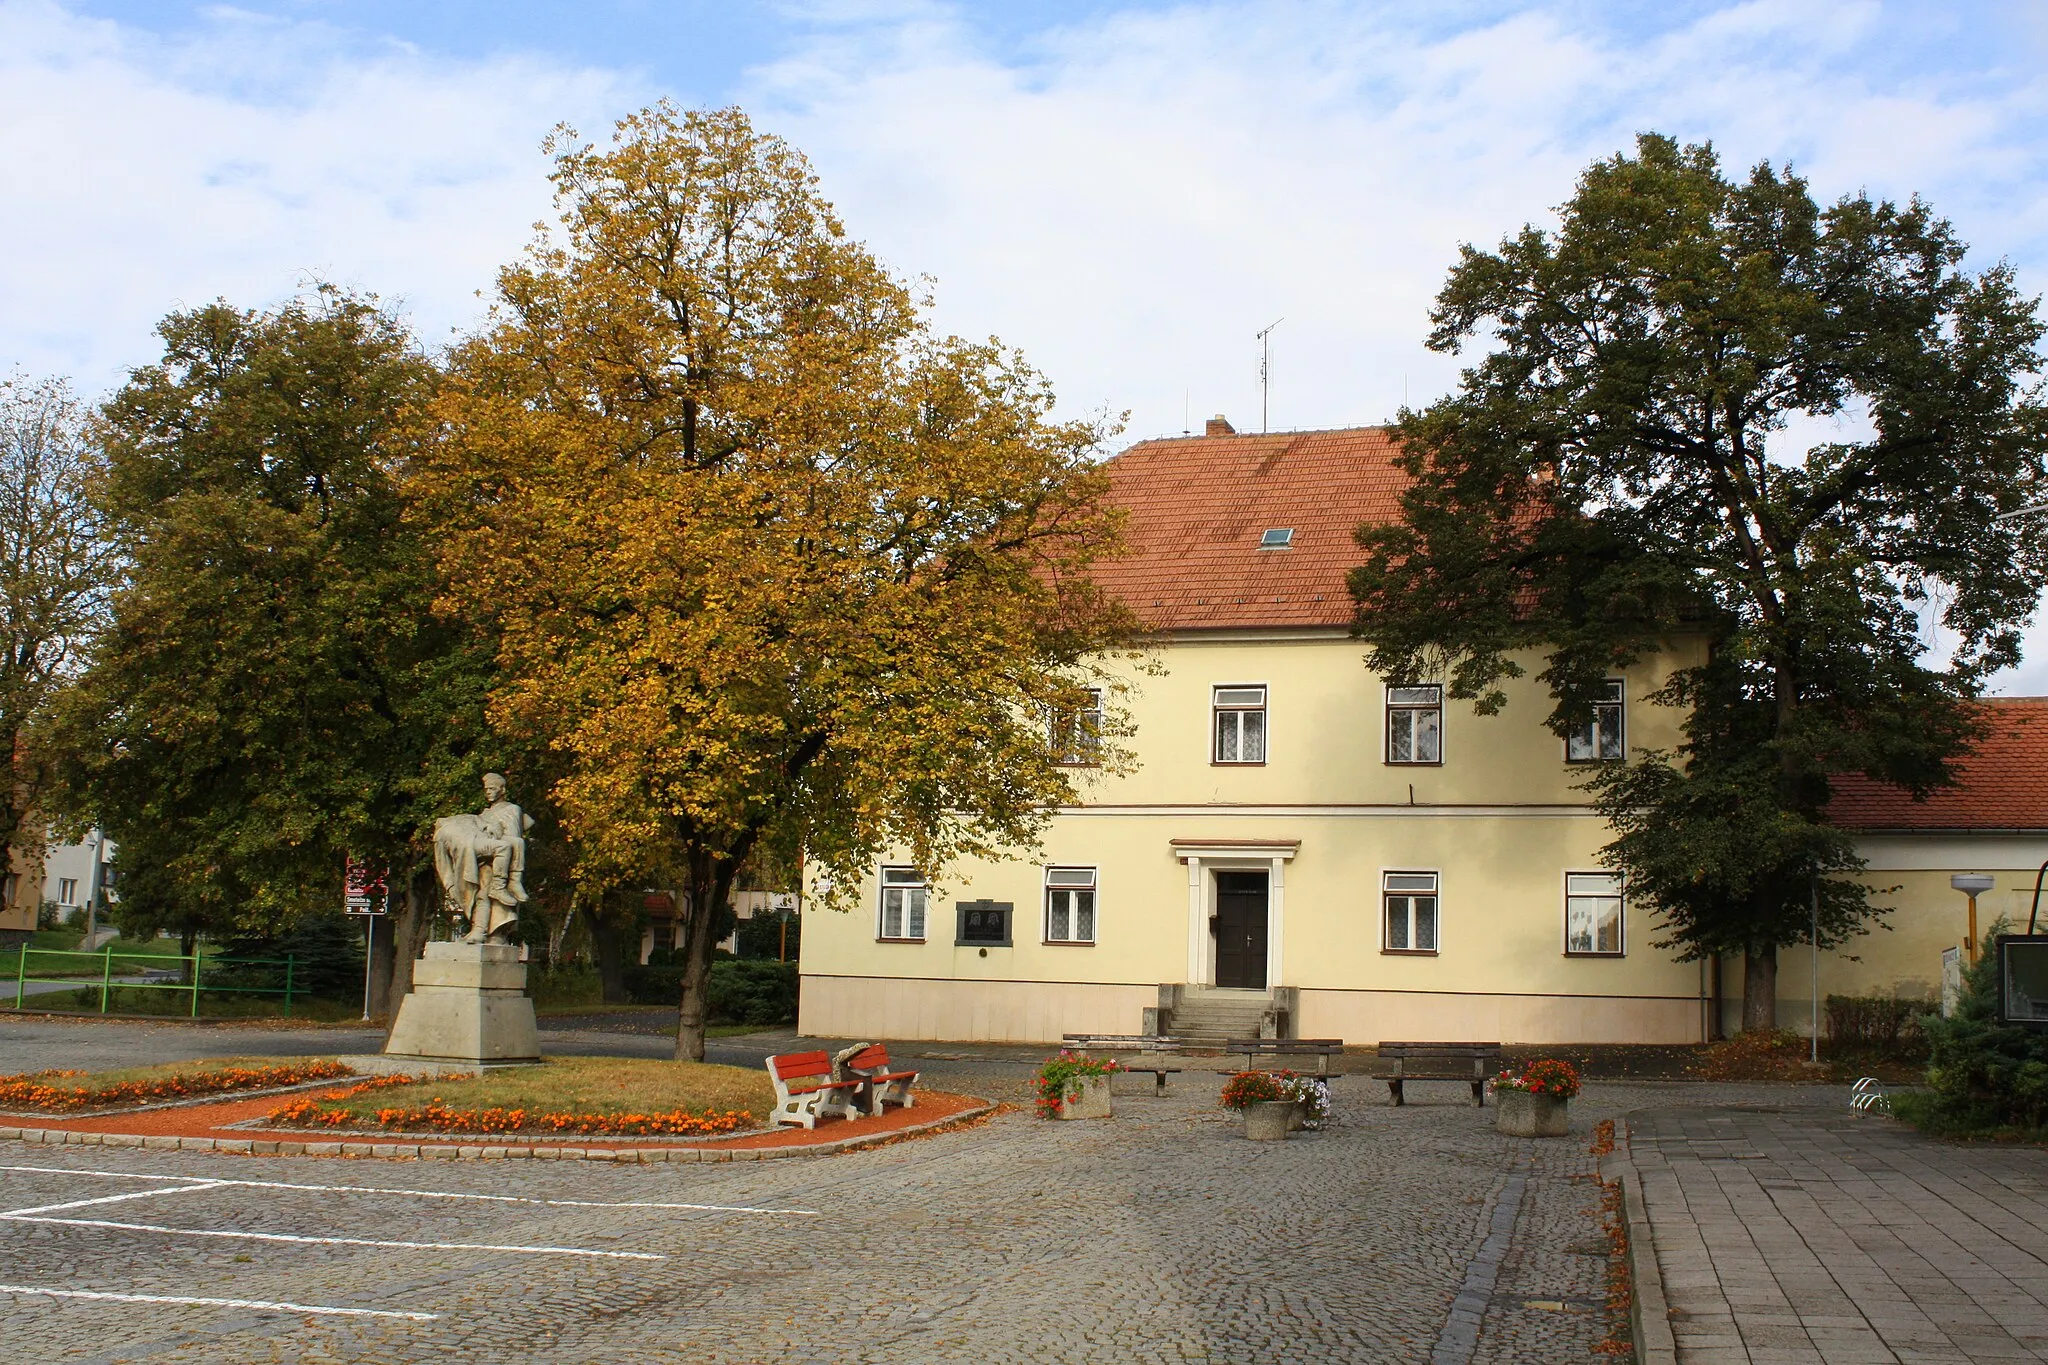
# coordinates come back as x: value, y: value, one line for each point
x: 1200, y: 504
x: 2004, y: 781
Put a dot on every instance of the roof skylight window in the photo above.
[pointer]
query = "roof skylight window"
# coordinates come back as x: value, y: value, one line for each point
x: 1277, y: 538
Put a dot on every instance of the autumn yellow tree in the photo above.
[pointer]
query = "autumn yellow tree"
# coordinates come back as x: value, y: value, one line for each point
x: 774, y: 566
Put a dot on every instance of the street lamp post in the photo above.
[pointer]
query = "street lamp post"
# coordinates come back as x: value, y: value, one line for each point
x: 1973, y: 885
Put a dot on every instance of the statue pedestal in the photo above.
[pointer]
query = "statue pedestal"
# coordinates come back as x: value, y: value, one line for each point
x: 467, y: 1004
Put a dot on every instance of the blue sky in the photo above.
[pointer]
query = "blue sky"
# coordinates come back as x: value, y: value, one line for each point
x: 1126, y: 191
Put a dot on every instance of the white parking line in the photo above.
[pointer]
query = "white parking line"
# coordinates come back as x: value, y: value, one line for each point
x: 426, y: 1194
x: 261, y: 1304
x: 104, y: 1199
x: 332, y: 1241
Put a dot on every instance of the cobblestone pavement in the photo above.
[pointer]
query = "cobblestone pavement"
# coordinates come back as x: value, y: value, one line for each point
x: 1825, y: 1235
x: 1416, y: 1234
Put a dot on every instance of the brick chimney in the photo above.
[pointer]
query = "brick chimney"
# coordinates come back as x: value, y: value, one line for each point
x: 1219, y: 425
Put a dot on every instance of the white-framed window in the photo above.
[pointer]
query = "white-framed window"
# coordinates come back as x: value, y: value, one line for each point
x: 1239, y: 728
x: 1409, y: 904
x: 67, y: 891
x: 1070, y: 905
x: 904, y: 891
x: 1075, y: 732
x: 1415, y: 724
x: 1599, y: 740
x: 1592, y: 914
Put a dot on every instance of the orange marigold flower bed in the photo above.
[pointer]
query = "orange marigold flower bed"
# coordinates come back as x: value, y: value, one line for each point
x: 311, y: 1111
x: 35, y: 1090
x: 437, y: 1117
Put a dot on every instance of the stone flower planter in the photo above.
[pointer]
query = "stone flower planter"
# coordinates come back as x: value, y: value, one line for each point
x: 1524, y: 1113
x: 1087, y: 1097
x: 1269, y: 1120
x: 1297, y: 1120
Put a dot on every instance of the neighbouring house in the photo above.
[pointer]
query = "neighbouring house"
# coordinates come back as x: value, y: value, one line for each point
x: 73, y: 874
x: 1308, y: 849
x: 1994, y: 821
x: 63, y: 875
x: 21, y: 897
x: 664, y: 931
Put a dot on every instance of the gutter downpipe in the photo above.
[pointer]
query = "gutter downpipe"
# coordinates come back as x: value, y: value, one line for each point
x: 2037, y: 897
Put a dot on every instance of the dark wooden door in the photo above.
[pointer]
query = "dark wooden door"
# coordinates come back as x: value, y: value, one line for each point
x: 1241, y: 929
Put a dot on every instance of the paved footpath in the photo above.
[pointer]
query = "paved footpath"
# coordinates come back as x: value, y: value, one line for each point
x: 1792, y: 1234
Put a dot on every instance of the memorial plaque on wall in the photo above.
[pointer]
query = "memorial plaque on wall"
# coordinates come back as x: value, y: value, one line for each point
x: 984, y: 923
x: 2023, y: 979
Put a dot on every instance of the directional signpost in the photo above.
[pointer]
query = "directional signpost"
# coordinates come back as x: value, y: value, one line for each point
x: 365, y: 894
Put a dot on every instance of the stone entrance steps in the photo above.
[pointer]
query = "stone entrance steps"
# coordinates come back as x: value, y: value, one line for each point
x: 1207, y: 1018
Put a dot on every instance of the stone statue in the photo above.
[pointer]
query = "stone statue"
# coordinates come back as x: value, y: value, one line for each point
x: 481, y: 861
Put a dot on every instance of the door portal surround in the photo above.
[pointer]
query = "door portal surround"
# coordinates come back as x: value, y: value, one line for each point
x: 1203, y: 856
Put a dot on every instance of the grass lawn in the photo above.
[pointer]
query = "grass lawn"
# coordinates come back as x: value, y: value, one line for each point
x: 587, y: 1085
x: 125, y: 951
x: 177, y: 1004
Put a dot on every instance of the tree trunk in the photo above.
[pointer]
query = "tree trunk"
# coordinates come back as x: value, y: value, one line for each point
x: 695, y: 1007
x: 558, y: 934
x: 608, y: 931
x: 407, y: 935
x: 382, y: 930
x: 188, y: 944
x: 1760, y: 990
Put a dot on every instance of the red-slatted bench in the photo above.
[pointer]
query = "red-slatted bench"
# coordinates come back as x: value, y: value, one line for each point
x: 805, y: 1091
x: 882, y: 1085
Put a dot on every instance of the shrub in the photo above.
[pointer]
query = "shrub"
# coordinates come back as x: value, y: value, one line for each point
x: 742, y: 991
x: 762, y: 936
x: 565, y: 985
x: 326, y: 949
x: 745, y: 992
x: 1984, y: 1073
x: 657, y: 981
x: 1874, y: 1023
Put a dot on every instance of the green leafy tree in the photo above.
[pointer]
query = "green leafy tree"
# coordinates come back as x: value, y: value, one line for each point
x: 1619, y: 473
x: 272, y: 695
x: 771, y: 566
x: 57, y: 567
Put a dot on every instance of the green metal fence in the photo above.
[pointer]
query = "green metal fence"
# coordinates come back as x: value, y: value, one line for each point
x: 188, y: 967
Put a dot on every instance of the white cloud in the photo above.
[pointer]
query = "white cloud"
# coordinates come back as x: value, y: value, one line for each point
x: 1131, y: 203
x: 1128, y: 198
x: 143, y: 175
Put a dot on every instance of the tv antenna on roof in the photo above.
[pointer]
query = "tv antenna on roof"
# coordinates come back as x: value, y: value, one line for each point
x: 1265, y: 336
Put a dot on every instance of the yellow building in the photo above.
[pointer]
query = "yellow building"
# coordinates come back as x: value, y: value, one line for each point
x: 1305, y: 846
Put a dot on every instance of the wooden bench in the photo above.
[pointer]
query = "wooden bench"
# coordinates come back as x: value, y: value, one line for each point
x: 879, y: 1084
x: 1473, y: 1063
x: 1322, y: 1049
x: 805, y: 1091
x: 1130, y: 1042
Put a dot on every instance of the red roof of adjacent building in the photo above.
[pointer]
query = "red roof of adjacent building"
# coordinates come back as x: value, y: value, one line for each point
x: 2004, y: 781
x: 1199, y: 506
